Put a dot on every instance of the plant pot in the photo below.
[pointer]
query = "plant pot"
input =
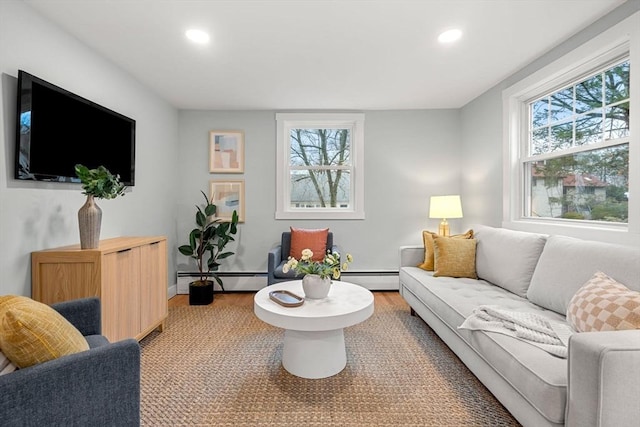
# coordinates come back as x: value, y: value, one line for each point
x: 315, y: 287
x: 89, y: 219
x: 201, y: 292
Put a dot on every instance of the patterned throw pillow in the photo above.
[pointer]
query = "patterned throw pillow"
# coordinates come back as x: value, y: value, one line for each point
x: 316, y: 240
x: 602, y: 304
x: 454, y: 257
x: 427, y: 238
x: 32, y: 332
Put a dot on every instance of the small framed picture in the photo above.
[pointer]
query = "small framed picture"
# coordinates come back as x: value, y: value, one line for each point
x: 228, y: 196
x: 226, y: 151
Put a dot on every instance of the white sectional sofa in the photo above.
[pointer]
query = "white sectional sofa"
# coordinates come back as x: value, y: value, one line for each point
x: 598, y: 384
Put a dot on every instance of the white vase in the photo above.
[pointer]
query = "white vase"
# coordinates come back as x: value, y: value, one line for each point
x: 315, y: 287
x: 89, y: 219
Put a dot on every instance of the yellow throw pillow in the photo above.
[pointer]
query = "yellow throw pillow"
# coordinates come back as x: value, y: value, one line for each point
x: 32, y: 332
x: 427, y: 238
x: 602, y: 304
x: 454, y: 257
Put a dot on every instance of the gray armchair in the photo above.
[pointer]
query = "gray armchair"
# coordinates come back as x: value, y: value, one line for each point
x: 97, y: 387
x: 278, y: 256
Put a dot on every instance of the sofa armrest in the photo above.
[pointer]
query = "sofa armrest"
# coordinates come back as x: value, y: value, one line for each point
x: 603, y: 384
x: 274, y: 257
x: 411, y: 255
x: 83, y: 313
x: 98, y: 387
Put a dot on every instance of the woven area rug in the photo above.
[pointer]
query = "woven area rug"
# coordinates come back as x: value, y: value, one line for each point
x: 221, y: 366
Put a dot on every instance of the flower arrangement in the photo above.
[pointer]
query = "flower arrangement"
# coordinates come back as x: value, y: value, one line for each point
x: 330, y: 266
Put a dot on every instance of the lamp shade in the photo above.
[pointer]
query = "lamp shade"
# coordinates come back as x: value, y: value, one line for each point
x: 445, y: 207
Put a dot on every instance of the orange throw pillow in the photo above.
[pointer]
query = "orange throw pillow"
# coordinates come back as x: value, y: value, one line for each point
x: 316, y: 240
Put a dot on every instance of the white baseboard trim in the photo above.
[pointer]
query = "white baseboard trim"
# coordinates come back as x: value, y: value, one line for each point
x: 253, y: 282
x: 172, y: 291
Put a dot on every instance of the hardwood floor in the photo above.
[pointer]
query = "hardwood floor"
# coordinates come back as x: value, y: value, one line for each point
x: 381, y: 298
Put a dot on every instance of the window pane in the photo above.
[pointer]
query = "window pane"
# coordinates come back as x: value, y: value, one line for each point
x: 589, y: 94
x: 589, y: 128
x: 592, y: 185
x: 540, y: 141
x: 617, y: 83
x: 561, y: 137
x: 616, y: 123
x: 540, y: 113
x: 320, y: 189
x: 562, y: 104
x: 318, y: 147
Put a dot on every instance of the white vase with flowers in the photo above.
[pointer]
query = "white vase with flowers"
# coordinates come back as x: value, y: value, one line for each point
x: 316, y: 282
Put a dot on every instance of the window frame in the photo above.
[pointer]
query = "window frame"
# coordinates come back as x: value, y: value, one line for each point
x: 287, y: 121
x: 620, y: 41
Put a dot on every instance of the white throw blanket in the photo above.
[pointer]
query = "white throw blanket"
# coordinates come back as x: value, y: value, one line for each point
x: 549, y: 335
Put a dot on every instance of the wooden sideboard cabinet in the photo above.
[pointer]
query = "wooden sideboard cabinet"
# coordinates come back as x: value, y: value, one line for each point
x: 128, y: 274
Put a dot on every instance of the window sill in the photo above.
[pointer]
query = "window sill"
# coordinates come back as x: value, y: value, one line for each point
x: 321, y: 215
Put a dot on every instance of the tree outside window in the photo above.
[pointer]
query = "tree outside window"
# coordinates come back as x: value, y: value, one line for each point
x: 320, y: 166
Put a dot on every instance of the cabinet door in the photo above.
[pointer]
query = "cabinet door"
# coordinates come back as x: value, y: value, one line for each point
x: 64, y: 276
x: 153, y: 284
x: 121, y: 294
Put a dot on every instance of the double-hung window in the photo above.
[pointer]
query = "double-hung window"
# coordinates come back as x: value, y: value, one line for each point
x: 571, y: 136
x: 576, y: 163
x: 320, y: 166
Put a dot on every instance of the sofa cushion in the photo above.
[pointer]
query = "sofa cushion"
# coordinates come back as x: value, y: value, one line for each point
x: 553, y: 283
x: 540, y: 377
x: 427, y: 239
x: 32, y: 332
x: 316, y: 240
x: 454, y: 257
x: 507, y: 258
x: 603, y: 304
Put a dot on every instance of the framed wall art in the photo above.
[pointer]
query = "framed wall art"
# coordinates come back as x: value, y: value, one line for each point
x: 228, y: 196
x: 226, y: 151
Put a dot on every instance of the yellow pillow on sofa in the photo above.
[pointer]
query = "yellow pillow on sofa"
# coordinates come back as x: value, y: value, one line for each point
x: 32, y: 332
x: 454, y: 257
x: 427, y: 238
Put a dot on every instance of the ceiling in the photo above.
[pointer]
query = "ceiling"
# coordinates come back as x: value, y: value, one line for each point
x: 321, y: 54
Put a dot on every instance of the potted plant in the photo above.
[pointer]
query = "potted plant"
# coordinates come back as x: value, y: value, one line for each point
x: 97, y: 183
x: 316, y: 281
x: 207, y: 246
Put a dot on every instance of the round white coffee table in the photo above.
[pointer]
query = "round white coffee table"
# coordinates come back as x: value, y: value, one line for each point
x: 314, y: 337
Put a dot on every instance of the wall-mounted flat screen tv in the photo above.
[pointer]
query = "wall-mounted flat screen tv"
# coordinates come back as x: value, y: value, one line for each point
x: 57, y: 129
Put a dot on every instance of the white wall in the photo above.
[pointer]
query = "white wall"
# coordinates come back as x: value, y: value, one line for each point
x: 482, y: 142
x: 35, y: 216
x: 409, y: 155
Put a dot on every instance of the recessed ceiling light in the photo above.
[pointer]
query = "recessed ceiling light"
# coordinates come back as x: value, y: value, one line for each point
x: 450, y: 36
x: 197, y: 36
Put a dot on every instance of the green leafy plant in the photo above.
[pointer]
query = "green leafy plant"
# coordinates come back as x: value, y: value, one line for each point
x: 99, y: 182
x: 330, y: 265
x: 211, y: 236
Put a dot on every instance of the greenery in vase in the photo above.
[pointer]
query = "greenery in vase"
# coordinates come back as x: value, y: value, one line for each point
x: 99, y: 182
x: 330, y: 266
x: 210, y: 237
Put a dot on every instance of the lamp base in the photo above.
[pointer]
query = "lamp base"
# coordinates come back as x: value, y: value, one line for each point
x: 443, y: 229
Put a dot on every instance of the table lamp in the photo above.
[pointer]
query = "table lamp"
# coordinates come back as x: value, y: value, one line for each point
x: 445, y: 207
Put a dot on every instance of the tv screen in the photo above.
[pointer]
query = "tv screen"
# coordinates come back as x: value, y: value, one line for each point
x: 57, y: 129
